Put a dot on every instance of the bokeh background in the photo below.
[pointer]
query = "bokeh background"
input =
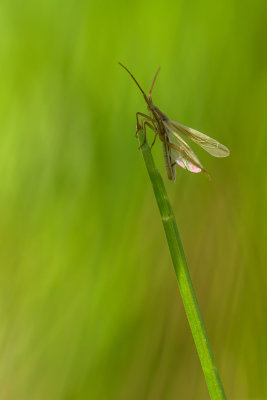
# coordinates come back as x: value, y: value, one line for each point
x: 89, y: 302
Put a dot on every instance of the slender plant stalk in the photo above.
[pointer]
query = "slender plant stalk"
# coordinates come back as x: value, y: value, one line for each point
x: 183, y: 277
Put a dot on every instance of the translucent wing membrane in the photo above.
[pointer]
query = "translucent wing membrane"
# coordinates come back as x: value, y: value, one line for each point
x: 182, y: 162
x: 181, y: 153
x: 213, y: 147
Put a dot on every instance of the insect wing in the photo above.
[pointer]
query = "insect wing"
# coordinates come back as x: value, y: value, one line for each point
x: 211, y: 145
x: 182, y: 162
x: 182, y: 154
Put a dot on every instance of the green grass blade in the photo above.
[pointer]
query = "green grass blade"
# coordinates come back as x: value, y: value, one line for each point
x: 183, y: 277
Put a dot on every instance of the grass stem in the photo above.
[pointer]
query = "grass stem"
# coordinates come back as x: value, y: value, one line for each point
x: 183, y: 277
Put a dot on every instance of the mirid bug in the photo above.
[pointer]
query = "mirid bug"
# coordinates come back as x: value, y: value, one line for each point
x: 176, y: 150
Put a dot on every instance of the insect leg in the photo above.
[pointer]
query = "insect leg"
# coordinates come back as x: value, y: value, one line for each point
x: 155, y: 137
x: 144, y: 117
x: 171, y: 145
x: 145, y: 124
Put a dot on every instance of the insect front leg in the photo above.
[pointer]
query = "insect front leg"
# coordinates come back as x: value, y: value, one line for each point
x: 144, y: 118
x: 145, y: 124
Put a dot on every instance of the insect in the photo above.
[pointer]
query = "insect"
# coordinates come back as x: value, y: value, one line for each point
x: 176, y: 150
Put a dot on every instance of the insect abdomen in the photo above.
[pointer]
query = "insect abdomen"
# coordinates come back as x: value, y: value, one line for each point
x: 170, y: 165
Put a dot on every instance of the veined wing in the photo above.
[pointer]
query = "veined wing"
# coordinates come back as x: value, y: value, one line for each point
x: 181, y: 153
x: 185, y: 164
x: 213, y: 147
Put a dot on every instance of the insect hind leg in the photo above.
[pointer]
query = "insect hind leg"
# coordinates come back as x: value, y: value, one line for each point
x: 154, y: 140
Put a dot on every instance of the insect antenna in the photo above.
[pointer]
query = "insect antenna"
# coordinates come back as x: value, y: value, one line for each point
x: 154, y: 80
x: 145, y: 96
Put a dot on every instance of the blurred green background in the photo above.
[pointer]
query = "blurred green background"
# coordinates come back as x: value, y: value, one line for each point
x: 89, y: 305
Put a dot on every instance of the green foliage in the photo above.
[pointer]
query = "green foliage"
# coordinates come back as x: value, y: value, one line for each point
x: 81, y: 317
